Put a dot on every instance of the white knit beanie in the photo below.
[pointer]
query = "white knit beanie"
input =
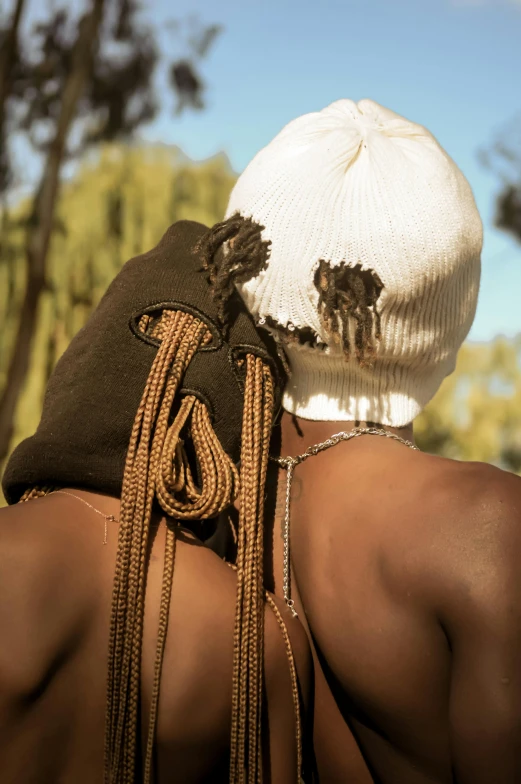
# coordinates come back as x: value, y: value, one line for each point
x: 359, y: 185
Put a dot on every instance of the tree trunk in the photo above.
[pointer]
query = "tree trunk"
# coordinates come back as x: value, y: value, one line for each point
x: 41, y: 220
x: 8, y: 59
x: 7, y: 53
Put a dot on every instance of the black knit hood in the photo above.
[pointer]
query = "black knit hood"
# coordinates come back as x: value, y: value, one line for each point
x: 95, y: 390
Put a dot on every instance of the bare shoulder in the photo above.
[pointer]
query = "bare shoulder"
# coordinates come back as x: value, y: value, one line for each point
x: 202, y: 606
x: 45, y: 595
x: 25, y: 551
x: 206, y: 598
x: 202, y: 603
x: 198, y: 673
x: 472, y: 515
x: 475, y: 498
x: 196, y: 681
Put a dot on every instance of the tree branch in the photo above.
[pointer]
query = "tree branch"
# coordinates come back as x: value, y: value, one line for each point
x: 7, y: 55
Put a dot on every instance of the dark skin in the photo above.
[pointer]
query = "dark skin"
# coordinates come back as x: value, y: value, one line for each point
x: 55, y: 599
x: 407, y: 566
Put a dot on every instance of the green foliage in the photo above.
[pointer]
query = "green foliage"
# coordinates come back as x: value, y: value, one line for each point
x: 476, y: 415
x: 118, y: 205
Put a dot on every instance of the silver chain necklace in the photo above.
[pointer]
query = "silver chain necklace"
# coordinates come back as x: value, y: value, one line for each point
x: 290, y: 463
x: 108, y: 518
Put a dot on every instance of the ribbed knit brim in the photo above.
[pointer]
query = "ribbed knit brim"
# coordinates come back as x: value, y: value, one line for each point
x: 385, y: 393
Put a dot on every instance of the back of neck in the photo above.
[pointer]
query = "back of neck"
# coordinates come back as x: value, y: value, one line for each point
x: 298, y: 434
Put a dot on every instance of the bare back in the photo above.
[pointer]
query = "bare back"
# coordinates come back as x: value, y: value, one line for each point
x: 406, y: 567
x: 55, y: 598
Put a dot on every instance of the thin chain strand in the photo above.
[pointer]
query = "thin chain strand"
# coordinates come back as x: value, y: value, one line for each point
x: 107, y: 518
x: 290, y: 463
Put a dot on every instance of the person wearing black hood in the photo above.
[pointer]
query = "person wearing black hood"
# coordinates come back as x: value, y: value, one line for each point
x: 146, y: 417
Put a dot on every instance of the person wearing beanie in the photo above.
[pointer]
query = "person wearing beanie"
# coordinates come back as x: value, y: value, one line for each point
x: 355, y: 239
x: 130, y: 652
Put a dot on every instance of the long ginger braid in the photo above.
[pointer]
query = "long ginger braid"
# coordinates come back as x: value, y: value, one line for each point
x: 233, y: 252
x: 36, y: 492
x: 164, y: 609
x: 156, y: 467
x: 245, y: 748
x: 294, y: 680
x: 135, y: 513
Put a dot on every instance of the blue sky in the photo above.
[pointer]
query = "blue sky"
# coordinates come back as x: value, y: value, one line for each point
x: 452, y: 65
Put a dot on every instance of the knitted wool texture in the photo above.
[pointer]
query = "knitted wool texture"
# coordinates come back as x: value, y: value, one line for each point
x: 358, y: 184
x: 95, y: 390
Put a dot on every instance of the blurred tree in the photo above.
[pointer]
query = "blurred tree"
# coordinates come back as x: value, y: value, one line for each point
x: 508, y: 215
x: 184, y: 77
x: 118, y: 204
x: 60, y: 105
x: 8, y: 63
x: 476, y: 414
x: 74, y: 82
x: 503, y: 158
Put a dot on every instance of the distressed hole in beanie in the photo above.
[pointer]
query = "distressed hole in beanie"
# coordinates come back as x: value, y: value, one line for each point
x: 290, y: 334
x: 350, y: 293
